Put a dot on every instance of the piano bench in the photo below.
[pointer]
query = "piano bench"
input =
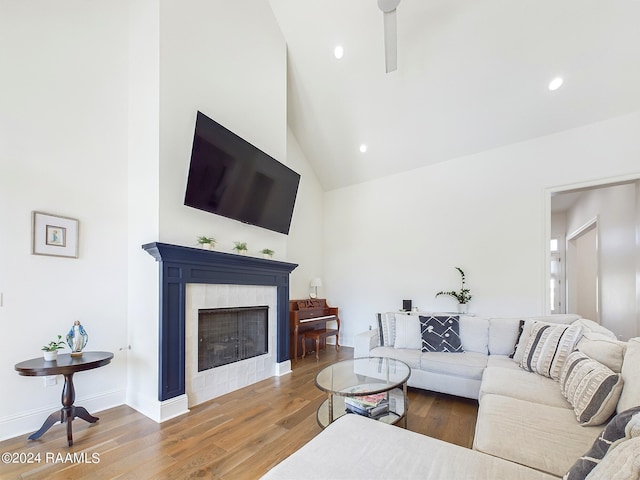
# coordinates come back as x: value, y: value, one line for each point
x: 318, y: 335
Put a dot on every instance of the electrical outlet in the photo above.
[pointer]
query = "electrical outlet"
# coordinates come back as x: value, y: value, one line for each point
x: 50, y: 380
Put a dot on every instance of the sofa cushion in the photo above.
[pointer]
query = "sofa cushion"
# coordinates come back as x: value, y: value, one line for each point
x: 357, y: 448
x: 622, y: 427
x: 502, y: 361
x: 408, y: 332
x: 465, y: 364
x: 517, y: 383
x: 441, y: 334
x: 410, y: 356
x: 630, y: 396
x: 474, y: 334
x: 507, y: 427
x: 591, y: 388
x: 528, y: 323
x: 387, y: 329
x: 548, y: 348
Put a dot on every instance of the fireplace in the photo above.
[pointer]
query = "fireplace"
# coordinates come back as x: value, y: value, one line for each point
x: 228, y: 335
x: 181, y: 266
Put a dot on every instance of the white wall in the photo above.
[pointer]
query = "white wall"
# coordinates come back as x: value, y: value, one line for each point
x: 305, y: 245
x: 615, y: 208
x: 63, y: 150
x: 143, y: 208
x: 401, y: 237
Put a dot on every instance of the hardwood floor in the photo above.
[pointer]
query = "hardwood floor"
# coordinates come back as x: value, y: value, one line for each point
x: 240, y: 435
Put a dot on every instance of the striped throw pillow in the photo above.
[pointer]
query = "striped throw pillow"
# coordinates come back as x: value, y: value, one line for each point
x: 387, y: 329
x: 591, y: 388
x: 548, y: 348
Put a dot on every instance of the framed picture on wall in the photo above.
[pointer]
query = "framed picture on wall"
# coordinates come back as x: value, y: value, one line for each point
x: 54, y: 235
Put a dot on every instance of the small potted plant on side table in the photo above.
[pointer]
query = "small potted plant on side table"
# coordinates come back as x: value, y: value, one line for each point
x: 51, y: 350
x: 463, y: 295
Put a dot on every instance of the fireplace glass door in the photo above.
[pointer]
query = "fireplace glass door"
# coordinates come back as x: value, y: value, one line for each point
x: 227, y: 335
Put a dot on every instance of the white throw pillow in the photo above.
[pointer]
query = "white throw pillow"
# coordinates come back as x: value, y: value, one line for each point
x: 607, y: 351
x: 503, y: 335
x: 408, y: 332
x: 474, y: 334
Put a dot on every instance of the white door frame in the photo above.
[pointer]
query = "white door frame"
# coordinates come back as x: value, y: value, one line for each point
x: 587, y: 226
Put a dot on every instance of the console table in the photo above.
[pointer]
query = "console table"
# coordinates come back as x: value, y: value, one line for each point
x: 65, y: 365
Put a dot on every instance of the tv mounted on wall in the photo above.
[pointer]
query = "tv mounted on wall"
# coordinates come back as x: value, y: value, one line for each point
x: 230, y: 177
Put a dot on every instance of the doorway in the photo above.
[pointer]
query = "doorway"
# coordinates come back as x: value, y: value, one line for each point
x: 597, y: 226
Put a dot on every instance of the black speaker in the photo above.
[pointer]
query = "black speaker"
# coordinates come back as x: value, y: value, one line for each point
x: 406, y: 305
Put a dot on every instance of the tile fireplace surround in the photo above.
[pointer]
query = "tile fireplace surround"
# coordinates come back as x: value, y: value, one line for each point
x: 180, y: 266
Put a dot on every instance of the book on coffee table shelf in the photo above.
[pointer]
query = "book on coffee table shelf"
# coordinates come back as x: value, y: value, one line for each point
x: 369, y: 399
x: 374, y: 412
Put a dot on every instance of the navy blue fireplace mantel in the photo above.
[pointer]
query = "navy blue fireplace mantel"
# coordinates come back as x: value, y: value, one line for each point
x: 182, y: 265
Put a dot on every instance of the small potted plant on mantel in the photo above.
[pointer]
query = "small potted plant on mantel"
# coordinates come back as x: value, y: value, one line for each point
x: 51, y: 350
x: 241, y: 248
x: 267, y: 253
x: 463, y: 295
x: 207, y: 242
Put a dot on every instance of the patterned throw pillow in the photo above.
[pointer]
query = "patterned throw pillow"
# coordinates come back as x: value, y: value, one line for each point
x: 591, y: 388
x: 387, y: 329
x: 441, y: 334
x: 515, y: 346
x: 621, y: 428
x: 548, y: 348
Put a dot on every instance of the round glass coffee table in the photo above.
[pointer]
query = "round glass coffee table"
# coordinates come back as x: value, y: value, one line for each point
x: 372, y: 386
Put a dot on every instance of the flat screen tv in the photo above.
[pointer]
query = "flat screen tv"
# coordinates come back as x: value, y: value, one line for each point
x: 230, y: 177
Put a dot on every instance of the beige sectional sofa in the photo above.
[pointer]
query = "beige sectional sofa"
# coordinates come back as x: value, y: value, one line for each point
x: 526, y: 426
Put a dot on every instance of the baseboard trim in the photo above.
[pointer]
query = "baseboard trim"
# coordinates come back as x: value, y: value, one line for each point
x: 161, y: 411
x: 30, y: 421
x: 283, y: 368
x: 174, y: 407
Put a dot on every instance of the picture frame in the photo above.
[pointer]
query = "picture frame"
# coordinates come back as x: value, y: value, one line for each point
x: 54, y: 235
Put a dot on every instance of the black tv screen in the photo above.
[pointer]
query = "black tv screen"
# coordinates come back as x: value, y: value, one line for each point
x: 230, y: 177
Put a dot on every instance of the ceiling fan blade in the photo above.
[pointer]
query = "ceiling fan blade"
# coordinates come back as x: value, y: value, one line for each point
x: 390, y: 41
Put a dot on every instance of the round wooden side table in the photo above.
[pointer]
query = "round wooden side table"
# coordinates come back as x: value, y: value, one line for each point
x: 65, y: 365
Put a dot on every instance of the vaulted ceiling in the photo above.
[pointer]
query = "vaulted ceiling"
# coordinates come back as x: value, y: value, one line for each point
x: 472, y: 76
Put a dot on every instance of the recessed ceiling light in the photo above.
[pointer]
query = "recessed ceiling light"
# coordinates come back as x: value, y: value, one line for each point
x: 363, y: 148
x: 555, y: 84
x: 338, y: 52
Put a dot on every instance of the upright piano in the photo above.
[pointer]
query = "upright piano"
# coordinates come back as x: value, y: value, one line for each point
x: 310, y: 314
